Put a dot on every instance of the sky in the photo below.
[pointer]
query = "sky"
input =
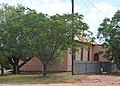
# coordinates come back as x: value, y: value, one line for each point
x: 94, y: 11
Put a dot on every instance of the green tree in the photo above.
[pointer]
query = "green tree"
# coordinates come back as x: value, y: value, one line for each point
x: 27, y: 33
x: 55, y: 35
x: 2, y: 53
x: 15, y: 35
x: 109, y: 33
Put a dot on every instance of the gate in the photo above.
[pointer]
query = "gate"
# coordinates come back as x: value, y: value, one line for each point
x: 91, y: 67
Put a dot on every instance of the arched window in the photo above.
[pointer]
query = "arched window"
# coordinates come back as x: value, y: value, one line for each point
x: 96, y: 57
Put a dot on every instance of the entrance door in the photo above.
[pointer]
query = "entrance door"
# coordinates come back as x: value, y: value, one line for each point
x: 96, y: 57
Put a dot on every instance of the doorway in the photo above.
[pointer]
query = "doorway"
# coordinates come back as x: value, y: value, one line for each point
x: 96, y: 57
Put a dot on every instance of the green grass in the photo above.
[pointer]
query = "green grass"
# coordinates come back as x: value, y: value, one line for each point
x: 39, y: 79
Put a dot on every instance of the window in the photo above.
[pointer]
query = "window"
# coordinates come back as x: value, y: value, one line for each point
x: 88, y: 54
x: 81, y: 54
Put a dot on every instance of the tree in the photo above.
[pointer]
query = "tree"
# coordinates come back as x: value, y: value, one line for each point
x: 14, y: 37
x: 55, y: 35
x: 109, y: 32
x: 27, y: 33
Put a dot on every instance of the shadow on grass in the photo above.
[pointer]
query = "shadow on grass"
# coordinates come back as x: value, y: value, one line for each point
x: 116, y: 73
x: 64, y: 77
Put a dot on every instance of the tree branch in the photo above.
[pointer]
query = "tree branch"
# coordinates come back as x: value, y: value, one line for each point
x: 24, y: 62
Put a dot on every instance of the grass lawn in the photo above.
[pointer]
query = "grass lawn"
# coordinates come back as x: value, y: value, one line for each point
x: 64, y: 77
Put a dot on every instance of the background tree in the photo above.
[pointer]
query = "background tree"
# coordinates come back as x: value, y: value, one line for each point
x: 15, y: 35
x: 109, y: 32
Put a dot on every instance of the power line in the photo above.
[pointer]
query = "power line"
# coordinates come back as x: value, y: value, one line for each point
x: 95, y: 7
x: 85, y: 4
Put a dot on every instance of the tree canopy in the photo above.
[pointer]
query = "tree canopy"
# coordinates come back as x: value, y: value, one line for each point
x: 109, y: 33
x: 24, y: 33
x: 54, y: 35
x: 14, y: 36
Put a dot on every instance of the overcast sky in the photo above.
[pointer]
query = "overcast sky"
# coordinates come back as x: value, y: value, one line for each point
x: 94, y: 11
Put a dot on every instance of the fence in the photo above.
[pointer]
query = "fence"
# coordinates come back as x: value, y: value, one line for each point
x: 91, y: 67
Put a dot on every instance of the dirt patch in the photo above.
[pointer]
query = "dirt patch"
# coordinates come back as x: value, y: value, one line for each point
x: 91, y: 80
x: 98, y: 80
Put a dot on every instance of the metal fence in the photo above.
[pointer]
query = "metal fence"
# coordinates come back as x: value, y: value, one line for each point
x: 91, y: 67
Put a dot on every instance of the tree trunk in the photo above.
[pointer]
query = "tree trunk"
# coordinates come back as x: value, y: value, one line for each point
x: 2, y: 69
x: 14, y: 62
x: 15, y: 69
x: 44, y: 69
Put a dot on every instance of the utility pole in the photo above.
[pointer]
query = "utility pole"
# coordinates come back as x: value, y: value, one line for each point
x: 73, y: 53
x: 72, y: 6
